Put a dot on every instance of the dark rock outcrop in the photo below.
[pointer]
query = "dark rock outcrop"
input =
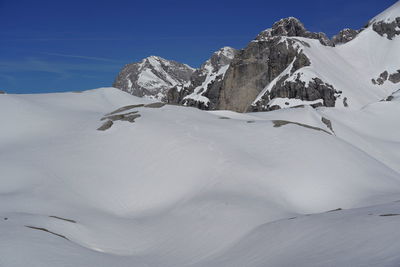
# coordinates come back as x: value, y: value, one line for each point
x: 130, y: 116
x: 395, y: 96
x: 345, y: 36
x: 155, y: 105
x: 292, y: 27
x: 387, y: 29
x: 105, y: 126
x: 316, y: 89
x: 395, y: 77
x: 253, y: 69
x: 280, y: 123
x: 205, y: 84
x: 328, y: 123
x: 385, y: 76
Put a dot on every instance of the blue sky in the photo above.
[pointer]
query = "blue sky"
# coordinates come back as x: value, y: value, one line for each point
x: 52, y: 46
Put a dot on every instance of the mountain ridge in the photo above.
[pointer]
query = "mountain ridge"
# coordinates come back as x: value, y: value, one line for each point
x: 284, y: 67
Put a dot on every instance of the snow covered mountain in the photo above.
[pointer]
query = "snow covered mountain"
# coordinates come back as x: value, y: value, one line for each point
x: 287, y: 66
x: 152, y: 77
x: 203, y: 89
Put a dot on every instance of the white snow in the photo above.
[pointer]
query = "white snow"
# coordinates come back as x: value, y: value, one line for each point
x: 182, y: 187
x: 129, y: 83
x: 389, y: 14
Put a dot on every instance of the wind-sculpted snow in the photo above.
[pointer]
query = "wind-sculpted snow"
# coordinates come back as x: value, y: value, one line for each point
x: 182, y: 187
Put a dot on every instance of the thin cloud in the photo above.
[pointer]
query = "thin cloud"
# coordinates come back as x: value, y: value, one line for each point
x: 158, y: 38
x: 82, y: 57
x: 65, y: 39
x: 62, y: 69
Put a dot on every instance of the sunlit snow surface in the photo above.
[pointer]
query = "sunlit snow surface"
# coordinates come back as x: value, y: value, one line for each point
x: 185, y: 187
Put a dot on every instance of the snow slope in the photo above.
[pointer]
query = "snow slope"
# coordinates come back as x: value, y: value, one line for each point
x: 389, y: 14
x: 185, y: 187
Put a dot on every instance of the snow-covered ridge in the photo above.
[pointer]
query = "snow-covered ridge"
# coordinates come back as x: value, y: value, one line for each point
x: 389, y: 15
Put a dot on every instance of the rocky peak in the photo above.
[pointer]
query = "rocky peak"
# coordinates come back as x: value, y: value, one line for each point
x: 287, y: 27
x: 152, y: 76
x: 220, y: 58
x: 345, y: 36
x: 292, y: 27
x: 205, y: 83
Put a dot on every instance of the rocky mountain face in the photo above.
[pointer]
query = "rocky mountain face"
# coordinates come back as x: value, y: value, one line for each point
x: 204, y: 87
x: 292, y: 27
x: 345, y: 35
x: 389, y: 27
x: 274, y: 56
x: 152, y: 77
x: 284, y: 66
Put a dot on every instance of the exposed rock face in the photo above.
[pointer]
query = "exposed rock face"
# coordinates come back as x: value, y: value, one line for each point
x: 387, y: 29
x: 345, y: 36
x: 105, y: 126
x: 254, y: 68
x: 266, y: 70
x: 292, y: 27
x: 328, y: 123
x: 314, y: 90
x: 395, y: 77
x: 280, y: 123
x: 153, y: 77
x: 118, y: 115
x: 381, y: 79
x: 205, y: 84
x: 394, y: 96
x: 2, y: 92
x: 385, y: 76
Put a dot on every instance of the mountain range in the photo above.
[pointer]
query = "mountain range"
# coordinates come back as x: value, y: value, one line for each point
x: 284, y: 66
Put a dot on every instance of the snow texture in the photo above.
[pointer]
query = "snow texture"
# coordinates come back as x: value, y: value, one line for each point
x: 185, y: 187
